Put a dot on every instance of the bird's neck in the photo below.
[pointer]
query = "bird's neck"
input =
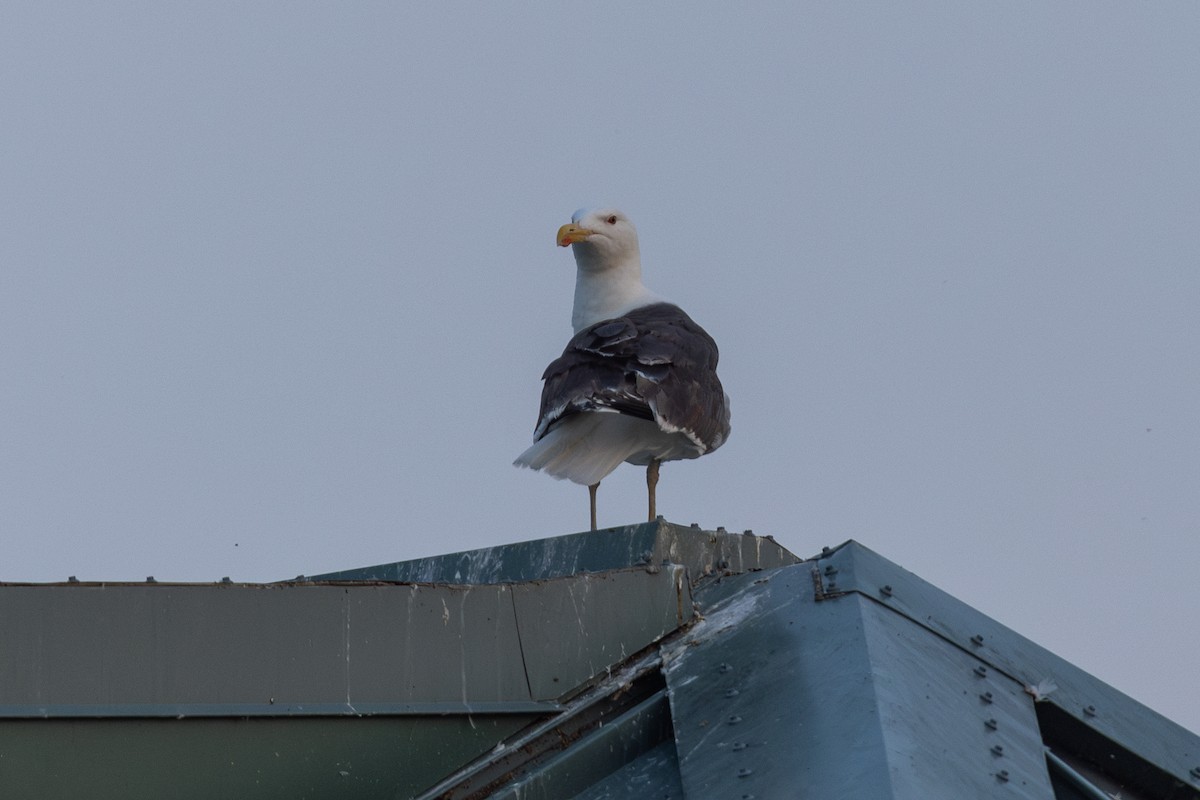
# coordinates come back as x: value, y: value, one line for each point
x: 602, y: 294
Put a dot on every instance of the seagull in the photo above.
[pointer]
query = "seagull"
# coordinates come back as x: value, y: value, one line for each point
x: 637, y: 382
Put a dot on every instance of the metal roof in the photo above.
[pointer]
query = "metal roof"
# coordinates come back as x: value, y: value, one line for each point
x: 650, y: 661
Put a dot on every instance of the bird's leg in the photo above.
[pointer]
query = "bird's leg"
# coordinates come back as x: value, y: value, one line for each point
x: 651, y: 482
x: 592, y: 495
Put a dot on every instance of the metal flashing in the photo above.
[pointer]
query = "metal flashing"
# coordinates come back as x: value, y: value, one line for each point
x: 702, y: 552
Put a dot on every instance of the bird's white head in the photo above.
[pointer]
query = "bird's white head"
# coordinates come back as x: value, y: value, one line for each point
x: 600, y: 239
x: 608, y: 275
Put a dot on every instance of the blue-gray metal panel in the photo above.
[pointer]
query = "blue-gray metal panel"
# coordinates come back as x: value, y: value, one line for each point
x: 952, y: 727
x: 652, y: 776
x: 577, y: 770
x: 703, y: 552
x: 1133, y: 726
x: 776, y: 695
x: 575, y: 628
x: 772, y: 700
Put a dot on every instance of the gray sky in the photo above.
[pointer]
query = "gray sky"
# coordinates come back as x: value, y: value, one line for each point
x: 277, y: 284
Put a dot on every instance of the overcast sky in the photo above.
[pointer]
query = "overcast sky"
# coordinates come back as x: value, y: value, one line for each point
x: 278, y: 281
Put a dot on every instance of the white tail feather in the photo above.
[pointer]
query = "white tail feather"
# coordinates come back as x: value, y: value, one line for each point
x: 587, y: 447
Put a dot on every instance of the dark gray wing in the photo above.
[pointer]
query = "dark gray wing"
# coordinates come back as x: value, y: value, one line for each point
x: 654, y: 363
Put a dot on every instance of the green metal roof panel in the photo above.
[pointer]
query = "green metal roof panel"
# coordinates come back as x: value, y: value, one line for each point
x: 272, y: 650
x: 350, y: 758
x: 572, y: 630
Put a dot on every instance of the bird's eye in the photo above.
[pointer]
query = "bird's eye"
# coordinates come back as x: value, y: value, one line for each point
x: 612, y: 220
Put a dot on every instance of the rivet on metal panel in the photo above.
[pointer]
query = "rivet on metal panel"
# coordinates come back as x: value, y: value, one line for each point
x: 733, y: 719
x: 986, y: 697
x: 977, y: 640
x: 981, y: 671
x: 732, y: 692
x: 1002, y: 776
x: 991, y: 724
x: 1089, y: 711
x: 745, y: 772
x: 997, y: 750
x: 886, y: 591
x: 723, y: 668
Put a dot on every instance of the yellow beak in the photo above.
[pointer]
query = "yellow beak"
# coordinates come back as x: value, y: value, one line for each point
x: 570, y: 234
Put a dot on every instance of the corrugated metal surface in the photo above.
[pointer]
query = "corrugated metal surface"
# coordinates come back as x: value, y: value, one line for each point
x: 167, y: 650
